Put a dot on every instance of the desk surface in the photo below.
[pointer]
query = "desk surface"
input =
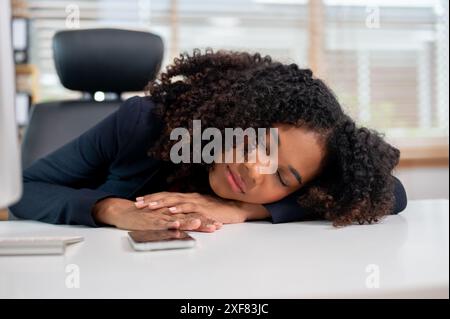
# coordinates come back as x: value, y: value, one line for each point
x: 404, y: 256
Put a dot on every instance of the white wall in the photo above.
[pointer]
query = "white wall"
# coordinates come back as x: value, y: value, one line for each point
x: 10, y: 170
x: 424, y: 182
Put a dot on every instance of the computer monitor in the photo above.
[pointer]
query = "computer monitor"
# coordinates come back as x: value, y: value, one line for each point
x: 10, y: 167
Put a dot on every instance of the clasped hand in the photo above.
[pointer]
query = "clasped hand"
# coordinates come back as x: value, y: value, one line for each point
x: 214, y: 208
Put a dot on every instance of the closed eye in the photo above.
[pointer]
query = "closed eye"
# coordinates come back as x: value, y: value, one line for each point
x: 281, y: 179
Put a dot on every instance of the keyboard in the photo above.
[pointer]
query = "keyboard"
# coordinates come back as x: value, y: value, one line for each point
x: 36, y: 245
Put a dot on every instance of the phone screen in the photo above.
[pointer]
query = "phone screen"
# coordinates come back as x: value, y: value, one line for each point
x: 146, y: 236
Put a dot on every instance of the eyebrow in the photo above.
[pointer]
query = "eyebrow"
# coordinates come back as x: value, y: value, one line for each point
x: 296, y: 174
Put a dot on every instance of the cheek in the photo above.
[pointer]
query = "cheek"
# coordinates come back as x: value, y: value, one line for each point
x: 213, y: 177
x: 216, y: 181
x: 268, y: 194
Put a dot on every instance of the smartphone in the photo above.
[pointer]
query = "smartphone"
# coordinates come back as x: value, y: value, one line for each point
x: 144, y: 240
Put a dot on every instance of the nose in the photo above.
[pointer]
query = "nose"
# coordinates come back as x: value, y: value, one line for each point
x: 250, y: 173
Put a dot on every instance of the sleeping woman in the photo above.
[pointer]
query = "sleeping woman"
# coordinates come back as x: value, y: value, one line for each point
x: 121, y: 173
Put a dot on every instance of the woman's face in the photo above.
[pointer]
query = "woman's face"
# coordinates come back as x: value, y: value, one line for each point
x: 299, y: 158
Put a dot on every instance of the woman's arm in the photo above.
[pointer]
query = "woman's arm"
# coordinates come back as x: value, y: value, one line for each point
x: 287, y: 209
x: 63, y: 187
x: 60, y: 188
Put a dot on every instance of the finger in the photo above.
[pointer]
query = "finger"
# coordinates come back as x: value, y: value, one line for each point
x: 169, y: 201
x: 164, y: 194
x: 156, y: 196
x: 206, y: 228
x: 140, y: 204
x: 191, y: 208
x: 163, y: 212
x: 159, y: 224
x: 156, y: 200
x: 146, y: 197
x: 142, y: 201
x: 208, y: 225
x: 173, y: 224
x: 216, y: 224
x: 190, y: 223
x: 188, y: 220
x: 184, y: 208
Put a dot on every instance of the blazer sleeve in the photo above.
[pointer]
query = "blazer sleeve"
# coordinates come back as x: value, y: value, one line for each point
x: 59, y: 189
x: 288, y: 210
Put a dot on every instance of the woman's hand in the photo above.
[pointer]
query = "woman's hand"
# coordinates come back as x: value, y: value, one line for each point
x: 221, y: 210
x: 123, y: 214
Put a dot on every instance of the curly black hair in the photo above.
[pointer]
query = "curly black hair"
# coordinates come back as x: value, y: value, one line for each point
x: 239, y: 89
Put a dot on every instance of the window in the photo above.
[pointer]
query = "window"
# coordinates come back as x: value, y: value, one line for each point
x: 393, y: 74
x: 386, y: 61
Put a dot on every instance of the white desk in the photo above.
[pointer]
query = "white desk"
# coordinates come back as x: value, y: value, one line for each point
x: 255, y: 260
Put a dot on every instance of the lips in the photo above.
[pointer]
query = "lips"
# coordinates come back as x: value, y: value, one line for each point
x: 235, y: 181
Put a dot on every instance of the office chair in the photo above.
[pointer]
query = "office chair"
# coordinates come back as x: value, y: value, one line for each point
x: 107, y: 60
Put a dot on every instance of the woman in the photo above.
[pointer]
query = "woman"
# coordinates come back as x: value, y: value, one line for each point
x: 120, y: 172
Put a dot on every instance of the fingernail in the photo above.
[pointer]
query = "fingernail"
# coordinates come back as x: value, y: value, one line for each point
x: 139, y: 199
x: 139, y: 204
x: 173, y: 209
x: 152, y: 203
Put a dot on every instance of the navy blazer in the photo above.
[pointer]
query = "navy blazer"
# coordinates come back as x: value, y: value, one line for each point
x: 110, y: 160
